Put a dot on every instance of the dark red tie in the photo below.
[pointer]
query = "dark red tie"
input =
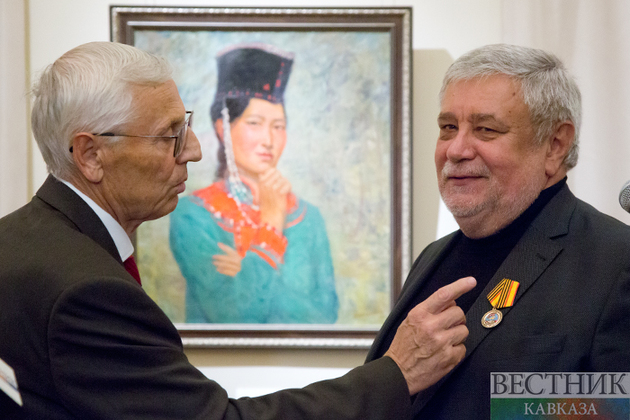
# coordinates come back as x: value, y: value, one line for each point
x: 132, y: 268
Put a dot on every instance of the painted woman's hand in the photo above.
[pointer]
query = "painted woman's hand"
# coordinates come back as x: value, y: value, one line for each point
x: 273, y: 189
x: 228, y: 263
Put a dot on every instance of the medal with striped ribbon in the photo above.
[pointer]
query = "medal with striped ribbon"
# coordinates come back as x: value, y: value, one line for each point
x: 502, y: 296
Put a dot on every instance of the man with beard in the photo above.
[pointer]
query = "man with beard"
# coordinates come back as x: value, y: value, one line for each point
x: 553, y: 273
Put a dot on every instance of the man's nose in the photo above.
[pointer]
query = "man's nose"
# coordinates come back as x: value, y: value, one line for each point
x: 461, y: 147
x: 192, y: 149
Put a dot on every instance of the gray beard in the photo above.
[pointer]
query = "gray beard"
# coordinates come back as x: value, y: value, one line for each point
x: 503, y: 212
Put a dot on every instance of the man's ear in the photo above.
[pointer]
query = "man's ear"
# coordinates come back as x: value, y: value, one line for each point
x: 559, y: 145
x: 218, y: 128
x: 86, y: 153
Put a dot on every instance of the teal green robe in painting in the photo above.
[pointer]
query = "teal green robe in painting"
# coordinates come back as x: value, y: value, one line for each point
x: 285, y: 277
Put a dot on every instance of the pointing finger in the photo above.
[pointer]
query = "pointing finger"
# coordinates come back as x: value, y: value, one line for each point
x: 444, y: 297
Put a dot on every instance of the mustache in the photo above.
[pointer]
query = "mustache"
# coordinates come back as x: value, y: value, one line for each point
x: 461, y: 170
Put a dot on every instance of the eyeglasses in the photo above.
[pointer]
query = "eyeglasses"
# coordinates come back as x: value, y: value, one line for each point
x: 180, y: 138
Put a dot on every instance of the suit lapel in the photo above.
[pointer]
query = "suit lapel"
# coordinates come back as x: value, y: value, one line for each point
x: 58, y: 195
x: 531, y: 256
x: 524, y: 264
x: 425, y: 267
x: 529, y: 259
x: 419, y: 273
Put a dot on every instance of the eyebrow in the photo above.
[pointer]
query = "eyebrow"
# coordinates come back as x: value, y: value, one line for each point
x: 446, y: 116
x: 475, y: 118
x: 171, y: 123
x: 264, y: 118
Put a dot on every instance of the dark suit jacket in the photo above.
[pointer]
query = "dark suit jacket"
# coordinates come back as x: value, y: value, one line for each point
x: 572, y: 310
x: 86, y: 342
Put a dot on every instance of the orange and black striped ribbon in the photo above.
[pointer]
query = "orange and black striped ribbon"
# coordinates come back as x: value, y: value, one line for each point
x: 502, y: 296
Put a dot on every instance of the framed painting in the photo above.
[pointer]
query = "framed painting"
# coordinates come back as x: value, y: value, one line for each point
x: 294, y: 228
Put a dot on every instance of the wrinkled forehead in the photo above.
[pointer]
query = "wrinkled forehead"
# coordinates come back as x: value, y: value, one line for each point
x: 493, y: 89
x: 158, y: 104
x: 497, y: 99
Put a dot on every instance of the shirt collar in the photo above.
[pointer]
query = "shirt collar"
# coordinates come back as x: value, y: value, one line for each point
x: 116, y: 231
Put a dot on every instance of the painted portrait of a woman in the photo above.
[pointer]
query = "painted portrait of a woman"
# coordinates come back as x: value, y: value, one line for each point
x: 250, y: 250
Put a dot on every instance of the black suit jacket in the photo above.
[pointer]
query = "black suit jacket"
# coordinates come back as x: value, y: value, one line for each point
x: 86, y: 342
x: 572, y: 309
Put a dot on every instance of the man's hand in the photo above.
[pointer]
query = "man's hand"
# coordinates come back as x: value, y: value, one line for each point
x: 429, y: 342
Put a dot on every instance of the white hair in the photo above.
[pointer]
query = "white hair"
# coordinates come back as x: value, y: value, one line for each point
x: 89, y: 89
x: 548, y: 90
